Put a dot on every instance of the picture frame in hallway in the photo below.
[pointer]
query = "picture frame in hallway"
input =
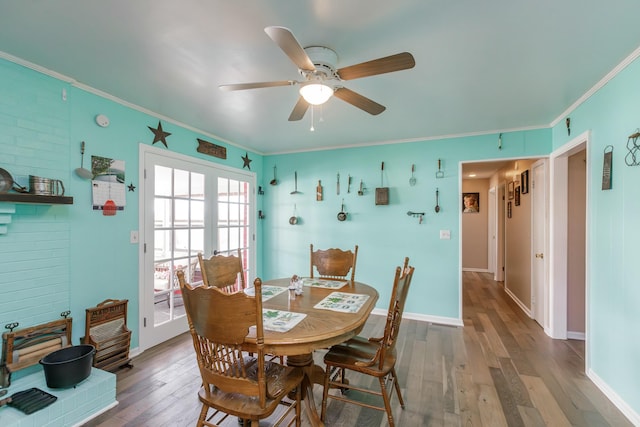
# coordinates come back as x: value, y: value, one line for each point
x: 524, y: 181
x: 470, y: 202
x: 517, y: 196
x: 509, y: 210
x: 510, y: 189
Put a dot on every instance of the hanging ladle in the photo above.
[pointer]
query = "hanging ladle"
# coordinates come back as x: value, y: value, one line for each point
x: 274, y: 181
x: 412, y: 180
x: 81, y: 171
x: 295, y: 191
x: 437, y: 202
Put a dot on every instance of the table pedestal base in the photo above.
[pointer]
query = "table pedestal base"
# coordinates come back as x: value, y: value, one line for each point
x: 313, y: 374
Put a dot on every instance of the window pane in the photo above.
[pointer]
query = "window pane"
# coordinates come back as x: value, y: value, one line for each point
x: 182, y: 213
x: 234, y: 190
x: 223, y: 214
x: 181, y: 183
x: 223, y: 189
x: 223, y: 239
x: 162, y: 213
x: 162, y: 243
x: 234, y: 241
x: 197, y: 186
x: 162, y: 181
x: 197, y: 213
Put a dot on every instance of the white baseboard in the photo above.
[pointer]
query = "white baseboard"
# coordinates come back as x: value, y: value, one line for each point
x: 477, y: 270
x: 517, y: 301
x: 576, y: 336
x: 628, y: 412
x: 449, y: 321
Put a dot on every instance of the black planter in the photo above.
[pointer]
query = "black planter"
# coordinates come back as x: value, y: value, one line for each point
x: 68, y: 366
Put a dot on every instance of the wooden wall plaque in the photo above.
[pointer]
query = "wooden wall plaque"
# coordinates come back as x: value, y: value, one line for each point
x: 211, y: 149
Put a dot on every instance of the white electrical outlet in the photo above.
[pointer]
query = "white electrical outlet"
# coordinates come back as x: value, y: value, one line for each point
x: 134, y: 236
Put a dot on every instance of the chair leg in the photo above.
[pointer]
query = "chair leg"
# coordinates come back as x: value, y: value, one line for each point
x: 397, y: 387
x: 203, y: 416
x: 387, y: 403
x: 299, y: 406
x: 325, y: 391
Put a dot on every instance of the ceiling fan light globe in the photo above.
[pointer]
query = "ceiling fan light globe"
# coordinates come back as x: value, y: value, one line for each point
x: 316, y: 93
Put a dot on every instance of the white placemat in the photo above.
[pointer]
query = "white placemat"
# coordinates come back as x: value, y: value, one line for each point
x: 323, y: 283
x: 343, y: 302
x: 268, y: 292
x: 280, y: 320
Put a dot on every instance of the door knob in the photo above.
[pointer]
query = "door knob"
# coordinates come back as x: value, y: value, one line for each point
x: 540, y: 255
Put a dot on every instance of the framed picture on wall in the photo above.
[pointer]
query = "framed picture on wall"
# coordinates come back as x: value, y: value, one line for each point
x: 508, y: 209
x: 524, y: 181
x: 510, y: 188
x: 517, y: 196
x: 470, y: 202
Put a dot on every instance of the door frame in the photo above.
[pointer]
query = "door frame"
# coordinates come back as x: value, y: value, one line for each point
x: 144, y: 344
x: 539, y: 288
x: 558, y: 232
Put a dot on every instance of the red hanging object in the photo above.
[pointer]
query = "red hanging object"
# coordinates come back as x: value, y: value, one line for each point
x: 109, y: 208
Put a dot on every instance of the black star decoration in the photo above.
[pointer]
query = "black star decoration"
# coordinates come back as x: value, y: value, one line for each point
x: 132, y: 187
x: 246, y: 161
x: 159, y: 135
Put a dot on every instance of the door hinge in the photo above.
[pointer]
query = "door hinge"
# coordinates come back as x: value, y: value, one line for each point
x: 144, y: 322
x: 144, y: 250
x: 145, y: 174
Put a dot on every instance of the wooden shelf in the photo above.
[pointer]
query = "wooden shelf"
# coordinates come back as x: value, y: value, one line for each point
x: 36, y: 199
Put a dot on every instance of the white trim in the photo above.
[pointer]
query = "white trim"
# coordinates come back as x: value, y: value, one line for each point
x: 517, y: 301
x: 576, y: 336
x: 449, y: 321
x: 610, y: 75
x: 95, y: 414
x: 626, y: 410
x: 478, y: 270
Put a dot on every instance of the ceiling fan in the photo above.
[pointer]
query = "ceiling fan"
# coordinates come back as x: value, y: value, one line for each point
x: 321, y: 78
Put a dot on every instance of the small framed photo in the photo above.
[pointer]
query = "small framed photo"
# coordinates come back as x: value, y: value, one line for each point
x: 524, y: 181
x: 510, y: 188
x: 508, y: 209
x: 517, y: 201
x: 470, y: 202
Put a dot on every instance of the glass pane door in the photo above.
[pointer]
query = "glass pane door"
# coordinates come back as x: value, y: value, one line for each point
x: 188, y: 206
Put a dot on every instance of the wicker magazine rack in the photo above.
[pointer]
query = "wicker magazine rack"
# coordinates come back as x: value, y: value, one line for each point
x: 106, y: 329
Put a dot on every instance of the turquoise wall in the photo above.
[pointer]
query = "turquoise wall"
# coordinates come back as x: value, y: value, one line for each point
x: 612, y: 114
x: 384, y: 234
x: 70, y: 257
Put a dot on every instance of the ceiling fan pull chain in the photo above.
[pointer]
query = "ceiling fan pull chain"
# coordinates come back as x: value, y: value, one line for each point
x: 312, y: 128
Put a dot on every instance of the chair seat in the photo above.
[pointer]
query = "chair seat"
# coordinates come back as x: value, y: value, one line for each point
x: 281, y: 380
x: 359, y: 354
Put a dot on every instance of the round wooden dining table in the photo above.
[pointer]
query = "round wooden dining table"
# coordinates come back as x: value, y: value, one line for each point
x: 320, y: 329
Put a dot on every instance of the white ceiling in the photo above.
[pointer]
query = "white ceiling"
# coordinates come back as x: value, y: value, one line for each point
x: 487, y: 66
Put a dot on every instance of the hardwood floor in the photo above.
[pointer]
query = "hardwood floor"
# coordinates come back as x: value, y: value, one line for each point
x: 499, y: 370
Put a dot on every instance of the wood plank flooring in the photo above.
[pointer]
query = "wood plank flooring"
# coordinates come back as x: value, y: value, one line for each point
x: 499, y: 370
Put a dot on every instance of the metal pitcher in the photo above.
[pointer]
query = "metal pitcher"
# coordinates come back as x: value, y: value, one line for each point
x: 45, y: 186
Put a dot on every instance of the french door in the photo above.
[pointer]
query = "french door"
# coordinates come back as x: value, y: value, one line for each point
x: 188, y: 206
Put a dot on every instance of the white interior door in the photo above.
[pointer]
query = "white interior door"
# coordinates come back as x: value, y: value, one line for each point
x: 190, y: 207
x: 538, y: 242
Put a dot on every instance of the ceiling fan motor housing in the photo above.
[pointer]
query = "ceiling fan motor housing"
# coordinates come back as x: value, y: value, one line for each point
x: 325, y: 61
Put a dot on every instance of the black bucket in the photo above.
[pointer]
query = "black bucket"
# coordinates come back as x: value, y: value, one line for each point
x: 68, y: 366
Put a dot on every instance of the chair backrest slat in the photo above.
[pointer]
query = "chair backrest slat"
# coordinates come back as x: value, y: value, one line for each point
x: 334, y: 263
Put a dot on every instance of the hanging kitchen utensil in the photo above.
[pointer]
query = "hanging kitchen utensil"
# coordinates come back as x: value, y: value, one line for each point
x: 274, y: 181
x: 382, y: 193
x: 294, y: 218
x: 319, y: 191
x: 109, y: 208
x: 81, y: 171
x: 295, y: 191
x: 439, y: 174
x: 348, y: 183
x: 6, y: 181
x: 342, y: 215
x: 437, y: 202
x: 338, y: 184
x: 412, y: 180
x: 361, y: 190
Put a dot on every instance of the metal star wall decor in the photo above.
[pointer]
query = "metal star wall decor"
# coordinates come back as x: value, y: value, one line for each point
x: 246, y: 161
x: 132, y: 187
x: 159, y: 135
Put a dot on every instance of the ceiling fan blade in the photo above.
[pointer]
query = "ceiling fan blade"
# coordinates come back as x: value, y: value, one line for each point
x: 359, y: 101
x: 388, y: 64
x: 243, y: 86
x: 288, y: 43
x: 299, y: 110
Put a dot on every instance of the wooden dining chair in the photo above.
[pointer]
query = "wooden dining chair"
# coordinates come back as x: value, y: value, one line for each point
x: 375, y: 357
x: 223, y: 271
x: 334, y: 263
x: 233, y: 382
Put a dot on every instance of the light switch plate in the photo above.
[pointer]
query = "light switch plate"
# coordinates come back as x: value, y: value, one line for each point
x: 445, y: 234
x: 134, y: 236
